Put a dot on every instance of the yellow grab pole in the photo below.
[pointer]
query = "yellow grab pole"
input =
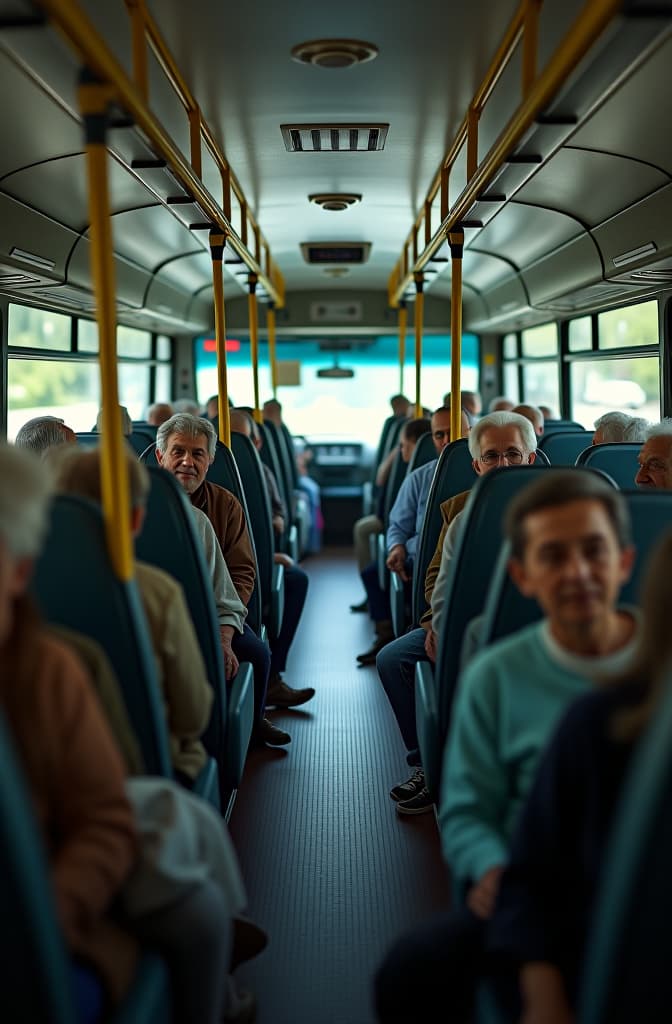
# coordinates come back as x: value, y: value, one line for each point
x: 94, y: 98
x: 270, y: 323
x: 456, y: 243
x: 217, y: 242
x: 419, y: 317
x: 403, y: 326
x: 254, y: 342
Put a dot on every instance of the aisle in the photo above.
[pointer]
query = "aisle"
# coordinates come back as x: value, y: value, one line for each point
x: 332, y: 872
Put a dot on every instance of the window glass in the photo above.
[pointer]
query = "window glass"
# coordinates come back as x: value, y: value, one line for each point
x: 632, y: 325
x: 134, y: 343
x: 581, y: 334
x: 134, y: 389
x: 38, y: 328
x: 510, y: 377
x: 540, y: 341
x: 541, y: 384
x: 510, y: 346
x: 39, y: 387
x: 87, y: 336
x: 625, y: 385
x: 352, y: 406
x: 163, y: 388
x: 164, y: 347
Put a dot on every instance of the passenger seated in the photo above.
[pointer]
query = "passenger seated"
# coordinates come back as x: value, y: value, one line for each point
x: 547, y: 412
x: 378, y: 600
x: 126, y: 421
x: 655, y: 457
x: 500, y: 403
x: 401, y: 406
x: 188, y: 405
x: 610, y: 428
x: 548, y: 888
x: 570, y: 542
x: 158, y: 413
x: 182, y: 675
x: 369, y: 526
x: 44, y: 432
x: 498, y: 439
x: 534, y: 414
x: 636, y: 430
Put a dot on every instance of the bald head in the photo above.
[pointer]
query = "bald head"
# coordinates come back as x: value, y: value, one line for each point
x: 534, y: 415
x: 159, y: 413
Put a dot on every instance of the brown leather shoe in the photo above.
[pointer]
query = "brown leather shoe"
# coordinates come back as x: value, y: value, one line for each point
x: 271, y: 735
x: 279, y: 695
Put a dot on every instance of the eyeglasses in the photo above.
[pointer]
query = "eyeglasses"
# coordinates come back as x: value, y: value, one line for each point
x: 512, y: 456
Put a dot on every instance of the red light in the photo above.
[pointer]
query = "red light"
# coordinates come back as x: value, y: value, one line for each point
x: 230, y: 345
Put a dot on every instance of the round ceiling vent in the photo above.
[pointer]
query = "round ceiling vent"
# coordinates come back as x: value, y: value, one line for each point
x: 334, y: 53
x: 336, y: 271
x: 335, y: 201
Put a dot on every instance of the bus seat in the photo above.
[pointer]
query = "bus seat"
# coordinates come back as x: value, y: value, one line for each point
x: 169, y: 540
x: 454, y: 474
x: 75, y: 586
x: 139, y: 439
x: 542, y: 458
x: 423, y: 452
x: 626, y: 975
x: 394, y: 481
x: 553, y: 426
x: 88, y: 437
x: 268, y: 454
x: 271, y: 576
x: 619, y: 460
x: 36, y: 969
x: 466, y: 587
x: 563, y: 447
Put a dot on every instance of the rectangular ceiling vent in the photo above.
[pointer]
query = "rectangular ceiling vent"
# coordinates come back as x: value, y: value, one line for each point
x: 583, y: 298
x: 336, y: 313
x: 334, y: 138
x: 323, y: 253
x: 15, y: 279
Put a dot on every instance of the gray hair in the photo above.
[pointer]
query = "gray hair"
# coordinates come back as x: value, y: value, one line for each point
x: 41, y: 433
x: 189, y: 405
x: 637, y: 429
x: 532, y: 413
x: 502, y: 419
x: 190, y: 426
x: 126, y: 421
x: 24, y: 501
x: 494, y: 403
x: 662, y: 429
x: 612, y: 426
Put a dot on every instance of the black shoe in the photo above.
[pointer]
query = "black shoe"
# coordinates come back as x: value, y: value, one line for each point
x: 369, y: 657
x: 271, y: 735
x: 363, y: 606
x: 280, y: 695
x: 412, y: 786
x: 418, y: 804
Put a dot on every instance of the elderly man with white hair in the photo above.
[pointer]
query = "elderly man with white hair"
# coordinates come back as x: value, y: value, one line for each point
x: 44, y: 432
x: 655, y: 458
x: 610, y: 427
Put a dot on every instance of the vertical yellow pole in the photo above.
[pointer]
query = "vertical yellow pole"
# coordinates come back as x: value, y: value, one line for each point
x: 136, y: 10
x: 530, y: 44
x: 403, y: 326
x: 270, y: 323
x: 419, y: 317
x: 93, y: 101
x: 254, y: 342
x: 217, y: 242
x: 456, y: 243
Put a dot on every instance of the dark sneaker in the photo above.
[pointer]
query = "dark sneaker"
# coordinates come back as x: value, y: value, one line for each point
x: 363, y: 606
x: 279, y: 695
x: 412, y: 786
x: 270, y: 734
x: 418, y: 804
x: 369, y: 657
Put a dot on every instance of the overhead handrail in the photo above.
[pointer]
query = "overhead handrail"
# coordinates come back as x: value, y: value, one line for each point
x: 537, y: 93
x: 93, y: 51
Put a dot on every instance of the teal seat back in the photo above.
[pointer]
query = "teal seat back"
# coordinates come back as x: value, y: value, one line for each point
x: 75, y: 586
x: 551, y: 426
x: 141, y: 438
x: 169, y: 541
x: 259, y: 513
x: 651, y: 516
x: 564, y: 446
x: 270, y: 458
x: 395, y: 479
x: 276, y: 441
x: 618, y: 460
x: 36, y: 983
x: 454, y: 474
x: 423, y: 452
x: 626, y: 967
x: 476, y: 551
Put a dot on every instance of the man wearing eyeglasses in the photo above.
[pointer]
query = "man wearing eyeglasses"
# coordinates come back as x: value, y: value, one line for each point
x: 655, y: 458
x: 498, y: 439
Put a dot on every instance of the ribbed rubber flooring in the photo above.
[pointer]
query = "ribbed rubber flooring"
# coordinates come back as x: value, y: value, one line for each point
x: 332, y: 872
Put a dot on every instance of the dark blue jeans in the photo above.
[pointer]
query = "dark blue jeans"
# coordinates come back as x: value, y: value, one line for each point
x: 396, y: 668
x: 296, y: 588
x: 248, y: 647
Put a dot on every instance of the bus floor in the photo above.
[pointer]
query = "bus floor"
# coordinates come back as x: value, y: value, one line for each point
x: 333, y: 873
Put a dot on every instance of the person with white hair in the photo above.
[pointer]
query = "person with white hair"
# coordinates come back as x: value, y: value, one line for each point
x: 188, y: 405
x: 532, y: 413
x: 44, y: 432
x: 655, y: 457
x: 610, y: 428
x: 500, y: 403
x: 636, y: 430
x: 158, y: 413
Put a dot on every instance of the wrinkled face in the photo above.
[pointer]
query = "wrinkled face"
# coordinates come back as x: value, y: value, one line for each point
x: 655, y: 464
x: 501, y: 446
x: 187, y: 458
x: 572, y: 563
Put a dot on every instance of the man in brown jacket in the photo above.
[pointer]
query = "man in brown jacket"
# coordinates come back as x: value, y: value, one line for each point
x: 499, y: 439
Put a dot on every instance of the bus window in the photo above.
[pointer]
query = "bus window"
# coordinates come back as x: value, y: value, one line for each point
x: 630, y: 325
x: 626, y: 385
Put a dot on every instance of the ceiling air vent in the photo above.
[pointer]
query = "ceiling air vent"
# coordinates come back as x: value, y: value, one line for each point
x: 334, y: 53
x: 334, y: 138
x: 335, y: 201
x: 335, y: 252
